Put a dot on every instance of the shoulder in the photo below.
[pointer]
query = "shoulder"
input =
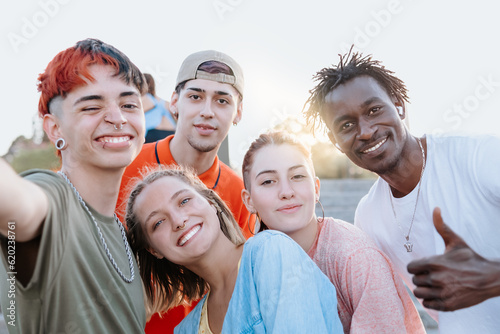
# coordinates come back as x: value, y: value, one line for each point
x: 230, y: 182
x: 45, y: 179
x: 266, y: 236
x: 465, y: 154
x: 372, y: 197
x: 191, y: 323
x: 342, y: 238
x: 230, y: 173
x: 457, y: 143
x: 271, y: 244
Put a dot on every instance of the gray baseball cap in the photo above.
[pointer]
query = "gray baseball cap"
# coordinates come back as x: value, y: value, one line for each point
x: 189, y: 69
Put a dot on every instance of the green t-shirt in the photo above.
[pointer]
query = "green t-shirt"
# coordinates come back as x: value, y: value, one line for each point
x: 74, y: 287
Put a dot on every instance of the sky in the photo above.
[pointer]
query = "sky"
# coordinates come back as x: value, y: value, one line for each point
x: 446, y: 52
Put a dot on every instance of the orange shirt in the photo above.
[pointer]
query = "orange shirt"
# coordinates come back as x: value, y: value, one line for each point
x: 220, y: 177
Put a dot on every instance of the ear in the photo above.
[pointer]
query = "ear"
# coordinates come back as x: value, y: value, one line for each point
x: 155, y: 253
x: 239, y: 113
x: 401, y: 110
x: 317, y: 186
x: 51, y: 127
x: 173, y: 103
x: 245, y: 196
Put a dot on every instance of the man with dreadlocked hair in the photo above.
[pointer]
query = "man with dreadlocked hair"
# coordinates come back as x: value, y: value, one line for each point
x: 422, y: 181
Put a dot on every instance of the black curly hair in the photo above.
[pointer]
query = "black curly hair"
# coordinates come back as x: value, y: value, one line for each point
x: 350, y: 66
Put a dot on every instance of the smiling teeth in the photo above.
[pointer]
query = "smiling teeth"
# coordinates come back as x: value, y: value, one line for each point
x: 189, y: 235
x: 375, y: 147
x: 114, y: 139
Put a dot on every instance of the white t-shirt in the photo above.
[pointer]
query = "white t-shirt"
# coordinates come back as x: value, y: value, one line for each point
x: 462, y: 177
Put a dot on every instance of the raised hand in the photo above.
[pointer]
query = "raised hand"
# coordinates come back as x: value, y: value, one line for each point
x: 457, y: 279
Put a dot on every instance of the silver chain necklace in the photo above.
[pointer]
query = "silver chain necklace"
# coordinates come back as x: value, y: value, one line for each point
x: 101, y: 237
x: 409, y: 245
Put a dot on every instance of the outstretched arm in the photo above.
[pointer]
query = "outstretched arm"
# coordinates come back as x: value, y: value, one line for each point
x: 22, y: 203
x: 457, y: 279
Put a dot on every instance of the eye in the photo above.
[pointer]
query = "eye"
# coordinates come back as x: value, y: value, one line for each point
x: 266, y: 182
x: 91, y: 109
x: 158, y: 223
x: 346, y: 126
x: 195, y: 97
x: 130, y: 106
x: 184, y: 201
x: 374, y: 110
x: 223, y: 101
x: 298, y: 177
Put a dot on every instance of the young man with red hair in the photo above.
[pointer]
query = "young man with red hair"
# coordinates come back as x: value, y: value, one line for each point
x: 66, y: 264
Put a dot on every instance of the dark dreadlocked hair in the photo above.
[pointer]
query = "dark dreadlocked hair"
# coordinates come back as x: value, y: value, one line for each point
x: 350, y: 66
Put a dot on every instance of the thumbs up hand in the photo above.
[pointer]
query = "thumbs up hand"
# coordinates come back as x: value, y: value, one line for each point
x: 458, y: 278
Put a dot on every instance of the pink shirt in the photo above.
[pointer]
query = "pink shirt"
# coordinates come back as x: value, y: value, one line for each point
x: 371, y: 296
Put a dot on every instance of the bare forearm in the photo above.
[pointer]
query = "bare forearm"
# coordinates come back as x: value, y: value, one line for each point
x: 22, y: 203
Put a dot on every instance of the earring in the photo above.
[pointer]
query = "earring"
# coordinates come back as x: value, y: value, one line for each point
x: 248, y: 222
x: 400, y: 110
x: 60, y: 144
x: 322, y: 209
x: 235, y: 123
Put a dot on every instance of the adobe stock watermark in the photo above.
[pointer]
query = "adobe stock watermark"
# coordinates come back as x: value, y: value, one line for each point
x: 456, y: 115
x: 381, y: 19
x: 10, y: 312
x: 31, y: 26
x: 157, y: 73
x: 222, y: 7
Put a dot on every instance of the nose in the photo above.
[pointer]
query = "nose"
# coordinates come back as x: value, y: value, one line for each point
x: 365, y: 130
x: 114, y: 116
x: 286, y: 190
x: 179, y: 221
x: 207, y: 111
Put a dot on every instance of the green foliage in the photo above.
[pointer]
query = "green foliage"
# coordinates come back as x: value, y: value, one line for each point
x: 37, y: 157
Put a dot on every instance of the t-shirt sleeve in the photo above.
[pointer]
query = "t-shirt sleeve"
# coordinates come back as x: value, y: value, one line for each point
x: 486, y: 164
x: 293, y: 293
x: 54, y: 228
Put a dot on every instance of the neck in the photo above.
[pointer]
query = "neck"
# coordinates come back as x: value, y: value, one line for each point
x: 185, y: 155
x: 305, y: 237
x: 219, y: 267
x: 99, y: 188
x: 407, y: 174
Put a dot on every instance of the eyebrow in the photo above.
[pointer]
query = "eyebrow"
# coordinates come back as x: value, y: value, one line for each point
x: 369, y: 101
x: 218, y: 92
x: 178, y: 193
x: 272, y: 171
x: 129, y: 93
x: 101, y: 98
x: 89, y: 98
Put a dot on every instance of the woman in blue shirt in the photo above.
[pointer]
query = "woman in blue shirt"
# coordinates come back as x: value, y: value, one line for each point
x: 188, y: 245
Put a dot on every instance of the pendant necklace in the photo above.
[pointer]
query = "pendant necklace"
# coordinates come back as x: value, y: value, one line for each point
x: 408, y: 244
x: 101, y: 237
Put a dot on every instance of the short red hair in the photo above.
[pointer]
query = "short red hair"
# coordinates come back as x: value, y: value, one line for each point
x: 69, y: 69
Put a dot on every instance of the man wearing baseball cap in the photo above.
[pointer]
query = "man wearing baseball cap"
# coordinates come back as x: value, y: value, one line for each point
x: 207, y: 100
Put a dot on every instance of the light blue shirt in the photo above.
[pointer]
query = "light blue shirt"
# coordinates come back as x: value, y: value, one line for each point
x: 279, y: 289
